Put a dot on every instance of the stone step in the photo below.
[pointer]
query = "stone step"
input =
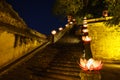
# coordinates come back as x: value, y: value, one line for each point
x: 44, y: 77
x: 59, y: 76
x: 53, y: 74
x: 64, y: 62
x: 64, y: 59
x: 64, y: 72
x: 64, y: 66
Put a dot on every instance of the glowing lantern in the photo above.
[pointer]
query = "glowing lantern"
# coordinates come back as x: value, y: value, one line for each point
x: 105, y: 13
x: 69, y: 17
x: 60, y: 29
x: 74, y: 20
x: 85, y: 25
x: 91, y: 64
x: 53, y: 32
x: 68, y: 20
x: 67, y: 25
x: 85, y: 20
x: 85, y: 30
x: 71, y: 22
x: 86, y: 38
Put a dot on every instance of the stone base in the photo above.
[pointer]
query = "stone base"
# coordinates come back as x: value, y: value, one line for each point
x: 90, y: 75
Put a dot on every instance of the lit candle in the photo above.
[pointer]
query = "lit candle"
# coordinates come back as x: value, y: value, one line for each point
x: 85, y: 30
x: 86, y: 38
x: 85, y: 25
x: 71, y: 22
x: 53, y: 32
x: 66, y: 25
x: 60, y: 28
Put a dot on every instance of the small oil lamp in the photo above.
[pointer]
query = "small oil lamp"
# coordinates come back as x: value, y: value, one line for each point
x: 74, y: 20
x: 53, y: 32
x: 60, y: 28
x: 85, y: 25
x: 85, y: 32
x: 67, y: 25
x: 86, y: 39
x: 71, y: 22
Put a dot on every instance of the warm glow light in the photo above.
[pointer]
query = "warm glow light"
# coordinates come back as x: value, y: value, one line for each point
x: 105, y: 13
x: 84, y: 22
x: 68, y: 20
x: 53, y: 32
x: 74, y: 20
x: 85, y: 18
x: 86, y: 38
x: 91, y: 64
x: 66, y: 25
x: 85, y: 25
x: 85, y: 30
x: 60, y: 29
x: 71, y: 22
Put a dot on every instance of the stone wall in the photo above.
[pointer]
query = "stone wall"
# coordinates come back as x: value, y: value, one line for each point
x: 13, y: 46
x: 105, y: 42
x: 16, y: 38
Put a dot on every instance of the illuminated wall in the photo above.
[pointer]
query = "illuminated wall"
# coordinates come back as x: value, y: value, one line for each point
x: 9, y: 52
x: 19, y: 38
x: 105, y: 42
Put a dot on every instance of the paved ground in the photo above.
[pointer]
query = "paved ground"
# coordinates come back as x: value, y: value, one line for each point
x: 58, y: 61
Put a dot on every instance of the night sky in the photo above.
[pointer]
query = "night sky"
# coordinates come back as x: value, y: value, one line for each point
x: 37, y: 14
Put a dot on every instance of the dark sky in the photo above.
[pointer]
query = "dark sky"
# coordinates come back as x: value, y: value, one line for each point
x: 37, y: 14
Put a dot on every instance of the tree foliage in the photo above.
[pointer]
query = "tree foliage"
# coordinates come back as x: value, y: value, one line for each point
x: 79, y: 8
x: 89, y: 8
x: 114, y: 10
x: 67, y: 7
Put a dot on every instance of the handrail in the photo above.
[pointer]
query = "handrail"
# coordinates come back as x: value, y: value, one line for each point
x: 98, y: 19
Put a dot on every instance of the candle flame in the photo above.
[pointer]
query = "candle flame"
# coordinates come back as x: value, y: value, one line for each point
x: 86, y: 38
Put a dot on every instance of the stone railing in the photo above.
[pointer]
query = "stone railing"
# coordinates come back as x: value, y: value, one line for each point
x: 98, y: 19
x: 15, y: 43
x: 58, y: 34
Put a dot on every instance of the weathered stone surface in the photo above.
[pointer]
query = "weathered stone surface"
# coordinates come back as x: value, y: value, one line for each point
x: 16, y: 39
x: 105, y: 41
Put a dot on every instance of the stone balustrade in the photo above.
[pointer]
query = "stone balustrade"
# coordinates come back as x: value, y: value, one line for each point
x: 55, y: 37
x: 14, y: 45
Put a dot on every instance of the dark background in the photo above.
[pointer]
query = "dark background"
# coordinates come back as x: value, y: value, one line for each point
x: 37, y: 14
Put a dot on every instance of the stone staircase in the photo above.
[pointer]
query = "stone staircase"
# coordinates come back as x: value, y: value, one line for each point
x: 58, y: 61
x: 64, y: 66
